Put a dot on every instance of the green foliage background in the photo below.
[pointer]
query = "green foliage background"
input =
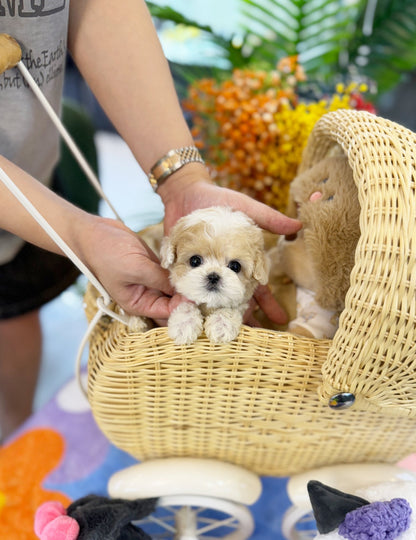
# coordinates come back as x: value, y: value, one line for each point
x: 367, y: 39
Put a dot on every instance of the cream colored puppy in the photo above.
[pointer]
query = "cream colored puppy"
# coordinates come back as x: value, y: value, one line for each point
x: 216, y: 259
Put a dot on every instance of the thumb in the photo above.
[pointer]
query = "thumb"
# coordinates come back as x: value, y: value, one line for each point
x: 153, y: 276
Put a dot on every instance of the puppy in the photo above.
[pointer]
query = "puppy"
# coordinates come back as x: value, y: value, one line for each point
x: 216, y: 260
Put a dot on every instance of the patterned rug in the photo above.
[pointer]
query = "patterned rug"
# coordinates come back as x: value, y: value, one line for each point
x: 61, y: 455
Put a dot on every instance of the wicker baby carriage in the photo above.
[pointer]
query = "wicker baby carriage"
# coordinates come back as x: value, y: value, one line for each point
x: 262, y: 400
x: 260, y: 403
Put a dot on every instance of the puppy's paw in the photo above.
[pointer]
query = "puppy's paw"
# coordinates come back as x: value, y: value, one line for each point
x: 138, y: 324
x: 223, y: 325
x: 185, y: 324
x: 300, y: 330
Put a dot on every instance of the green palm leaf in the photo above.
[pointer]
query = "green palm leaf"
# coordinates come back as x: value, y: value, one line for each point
x: 388, y: 49
x: 166, y: 13
x: 332, y: 37
x: 311, y: 28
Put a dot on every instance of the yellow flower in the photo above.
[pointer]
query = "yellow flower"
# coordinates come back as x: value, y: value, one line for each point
x: 252, y: 128
x: 2, y: 500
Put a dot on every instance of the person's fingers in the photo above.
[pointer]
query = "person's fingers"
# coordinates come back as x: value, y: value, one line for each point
x: 152, y: 303
x: 269, y: 305
x: 248, y: 317
x: 153, y: 276
x: 250, y: 320
x: 174, y: 303
x: 203, y: 194
x: 269, y: 219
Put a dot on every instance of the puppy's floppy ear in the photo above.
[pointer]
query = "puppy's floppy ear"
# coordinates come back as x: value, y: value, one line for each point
x: 261, y: 268
x: 167, y: 252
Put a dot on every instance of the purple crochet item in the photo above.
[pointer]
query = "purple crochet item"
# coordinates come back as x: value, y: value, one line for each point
x: 377, y: 521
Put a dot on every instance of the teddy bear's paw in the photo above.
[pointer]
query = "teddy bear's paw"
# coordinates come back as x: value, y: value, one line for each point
x: 223, y: 325
x: 185, y: 324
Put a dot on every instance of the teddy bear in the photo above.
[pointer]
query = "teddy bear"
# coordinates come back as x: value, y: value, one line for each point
x: 93, y: 517
x: 381, y: 511
x: 315, y: 265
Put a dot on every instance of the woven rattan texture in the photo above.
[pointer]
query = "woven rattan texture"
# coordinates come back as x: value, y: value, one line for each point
x: 260, y: 401
x: 374, y: 352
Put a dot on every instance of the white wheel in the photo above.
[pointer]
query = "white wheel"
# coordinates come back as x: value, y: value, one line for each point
x: 186, y: 476
x: 194, y: 517
x: 298, y: 524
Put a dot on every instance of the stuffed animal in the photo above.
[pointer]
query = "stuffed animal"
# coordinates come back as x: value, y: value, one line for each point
x: 93, y: 517
x: 385, y: 511
x: 318, y: 262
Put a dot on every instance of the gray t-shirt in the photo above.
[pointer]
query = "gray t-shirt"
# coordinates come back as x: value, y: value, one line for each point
x: 27, y: 136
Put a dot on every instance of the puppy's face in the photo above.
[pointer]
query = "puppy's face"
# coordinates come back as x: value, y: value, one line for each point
x: 215, y: 257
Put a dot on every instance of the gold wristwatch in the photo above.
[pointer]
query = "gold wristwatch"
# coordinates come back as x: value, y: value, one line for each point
x: 171, y: 162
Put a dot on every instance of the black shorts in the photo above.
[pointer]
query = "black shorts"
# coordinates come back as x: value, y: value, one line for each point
x: 35, y: 276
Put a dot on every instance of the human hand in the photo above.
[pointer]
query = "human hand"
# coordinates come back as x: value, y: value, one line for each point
x: 190, y: 188
x: 127, y: 268
x: 264, y: 299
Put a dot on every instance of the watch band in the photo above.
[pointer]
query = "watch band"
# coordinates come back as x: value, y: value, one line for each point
x: 171, y: 162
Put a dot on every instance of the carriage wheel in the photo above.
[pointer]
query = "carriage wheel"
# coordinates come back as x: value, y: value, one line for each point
x: 196, y: 517
x: 298, y: 524
x: 198, y: 499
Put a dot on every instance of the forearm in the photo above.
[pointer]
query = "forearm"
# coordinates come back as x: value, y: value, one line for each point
x: 65, y: 218
x: 118, y: 52
x: 115, y: 45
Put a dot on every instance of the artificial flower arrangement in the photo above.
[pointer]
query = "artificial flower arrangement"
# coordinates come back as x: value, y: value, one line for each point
x: 252, y: 127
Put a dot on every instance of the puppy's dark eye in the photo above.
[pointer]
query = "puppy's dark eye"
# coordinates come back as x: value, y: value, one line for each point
x: 324, y: 180
x: 195, y: 260
x: 235, y: 266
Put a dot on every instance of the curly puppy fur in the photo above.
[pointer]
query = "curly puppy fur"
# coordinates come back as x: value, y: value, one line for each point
x: 216, y: 259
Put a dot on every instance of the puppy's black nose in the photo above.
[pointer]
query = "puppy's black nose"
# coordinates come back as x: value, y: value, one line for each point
x: 213, y: 279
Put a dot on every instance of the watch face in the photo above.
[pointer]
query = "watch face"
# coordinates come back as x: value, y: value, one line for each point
x: 171, y: 161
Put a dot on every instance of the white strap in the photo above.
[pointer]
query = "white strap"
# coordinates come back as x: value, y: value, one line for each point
x: 66, y: 136
x: 52, y: 233
x: 105, y: 299
x: 102, y: 302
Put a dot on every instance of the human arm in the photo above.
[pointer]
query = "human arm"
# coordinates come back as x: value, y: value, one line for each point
x: 118, y: 52
x: 128, y: 270
x: 116, y: 47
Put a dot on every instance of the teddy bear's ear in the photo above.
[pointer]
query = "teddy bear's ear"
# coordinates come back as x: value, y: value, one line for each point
x: 330, y: 506
x: 167, y: 252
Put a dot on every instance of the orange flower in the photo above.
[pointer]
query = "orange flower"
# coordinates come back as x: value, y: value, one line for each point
x: 252, y: 128
x: 24, y: 464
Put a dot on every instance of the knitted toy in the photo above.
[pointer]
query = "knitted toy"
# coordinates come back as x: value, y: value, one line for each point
x: 93, y: 518
x: 320, y: 259
x: 385, y: 511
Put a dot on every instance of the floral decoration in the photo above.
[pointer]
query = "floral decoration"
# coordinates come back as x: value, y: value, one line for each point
x: 252, y: 127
